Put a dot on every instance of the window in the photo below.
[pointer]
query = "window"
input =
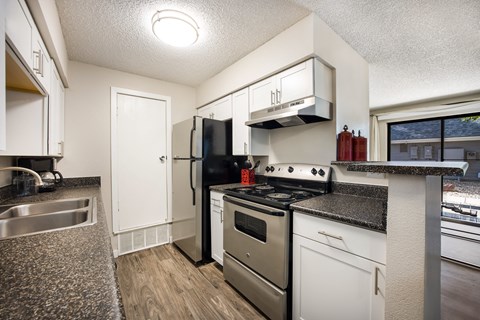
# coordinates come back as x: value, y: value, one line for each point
x: 444, y: 139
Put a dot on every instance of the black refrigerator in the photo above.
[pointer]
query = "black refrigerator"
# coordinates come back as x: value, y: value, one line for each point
x: 202, y: 157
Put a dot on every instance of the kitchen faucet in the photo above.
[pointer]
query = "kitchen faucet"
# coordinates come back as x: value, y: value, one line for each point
x: 38, y: 179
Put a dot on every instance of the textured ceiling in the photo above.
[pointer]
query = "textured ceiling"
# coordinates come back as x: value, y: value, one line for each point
x: 118, y: 34
x: 416, y: 49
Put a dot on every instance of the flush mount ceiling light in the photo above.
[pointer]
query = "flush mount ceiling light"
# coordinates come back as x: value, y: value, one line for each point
x: 175, y: 28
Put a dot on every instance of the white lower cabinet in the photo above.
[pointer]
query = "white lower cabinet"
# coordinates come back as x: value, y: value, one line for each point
x: 216, y: 225
x: 331, y: 283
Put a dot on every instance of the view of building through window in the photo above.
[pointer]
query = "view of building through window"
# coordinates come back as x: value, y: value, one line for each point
x: 444, y: 139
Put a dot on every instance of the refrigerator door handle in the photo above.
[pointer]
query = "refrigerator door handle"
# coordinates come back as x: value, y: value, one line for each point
x: 191, y: 181
x: 192, y: 131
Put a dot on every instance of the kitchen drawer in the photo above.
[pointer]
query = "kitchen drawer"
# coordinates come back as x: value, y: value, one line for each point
x: 358, y: 241
x: 216, y: 199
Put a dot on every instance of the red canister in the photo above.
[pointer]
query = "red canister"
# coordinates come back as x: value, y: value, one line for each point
x: 359, y: 148
x: 344, y: 145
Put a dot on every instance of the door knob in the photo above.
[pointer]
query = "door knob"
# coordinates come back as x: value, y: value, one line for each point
x: 162, y: 158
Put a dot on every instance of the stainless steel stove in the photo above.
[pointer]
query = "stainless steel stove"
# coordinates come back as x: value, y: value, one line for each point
x: 258, y: 230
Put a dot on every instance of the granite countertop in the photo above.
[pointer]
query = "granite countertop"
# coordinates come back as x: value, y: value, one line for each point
x: 222, y: 187
x: 66, y: 274
x: 421, y: 168
x: 369, y: 213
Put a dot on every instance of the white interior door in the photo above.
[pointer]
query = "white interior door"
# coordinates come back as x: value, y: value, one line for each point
x: 141, y: 162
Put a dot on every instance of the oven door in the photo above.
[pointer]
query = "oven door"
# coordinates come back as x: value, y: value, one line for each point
x: 258, y: 236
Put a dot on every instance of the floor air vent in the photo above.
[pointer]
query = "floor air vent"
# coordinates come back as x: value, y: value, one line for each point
x: 142, y: 239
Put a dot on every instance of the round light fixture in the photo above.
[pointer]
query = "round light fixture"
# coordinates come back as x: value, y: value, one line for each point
x: 175, y: 28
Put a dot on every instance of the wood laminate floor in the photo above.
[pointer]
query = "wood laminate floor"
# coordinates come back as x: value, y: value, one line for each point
x: 460, y: 292
x: 161, y: 283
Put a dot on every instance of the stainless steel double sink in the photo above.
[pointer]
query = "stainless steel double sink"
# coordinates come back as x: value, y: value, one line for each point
x: 25, y: 219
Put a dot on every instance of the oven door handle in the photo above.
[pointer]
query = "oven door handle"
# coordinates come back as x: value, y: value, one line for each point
x: 240, y: 203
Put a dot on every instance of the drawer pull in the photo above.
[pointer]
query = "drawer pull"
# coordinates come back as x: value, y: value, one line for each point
x: 330, y: 235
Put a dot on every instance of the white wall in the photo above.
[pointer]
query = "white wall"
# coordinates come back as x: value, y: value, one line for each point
x: 285, y: 49
x: 87, y: 119
x: 313, y: 143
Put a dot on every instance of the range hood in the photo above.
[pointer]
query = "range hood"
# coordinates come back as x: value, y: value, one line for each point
x: 303, y: 111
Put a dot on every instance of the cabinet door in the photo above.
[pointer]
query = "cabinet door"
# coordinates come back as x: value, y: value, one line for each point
x: 216, y: 216
x: 240, y: 114
x: 262, y: 94
x: 332, y: 284
x: 295, y: 83
x: 41, y: 64
x: 205, y: 112
x: 247, y: 140
x: 56, y: 115
x: 220, y: 109
x: 27, y: 116
x: 18, y: 29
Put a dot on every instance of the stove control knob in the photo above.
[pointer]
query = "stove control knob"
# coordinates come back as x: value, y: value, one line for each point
x: 321, y: 172
x: 314, y: 171
x: 290, y: 169
x: 272, y: 168
x: 267, y: 168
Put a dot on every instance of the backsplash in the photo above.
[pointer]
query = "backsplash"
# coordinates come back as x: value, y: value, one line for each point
x: 362, y: 190
x: 8, y: 192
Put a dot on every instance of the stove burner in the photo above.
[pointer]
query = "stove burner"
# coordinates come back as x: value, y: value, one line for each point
x: 279, y: 196
x: 299, y: 193
x: 264, y: 188
x: 243, y: 190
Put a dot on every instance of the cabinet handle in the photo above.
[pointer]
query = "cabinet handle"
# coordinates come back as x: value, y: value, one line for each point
x: 60, y: 148
x: 221, y: 215
x: 272, y: 98
x: 330, y: 235
x: 36, y: 62
x: 244, y: 148
x: 376, y: 280
x: 278, y: 96
x: 41, y: 64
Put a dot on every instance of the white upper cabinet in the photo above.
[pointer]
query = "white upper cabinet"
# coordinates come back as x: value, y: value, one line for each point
x: 18, y: 30
x: 41, y: 64
x: 295, y: 83
x: 27, y: 116
x: 246, y: 140
x: 291, y: 84
x: 220, y: 109
x: 308, y: 78
x: 27, y: 45
x: 56, y: 115
x: 262, y: 94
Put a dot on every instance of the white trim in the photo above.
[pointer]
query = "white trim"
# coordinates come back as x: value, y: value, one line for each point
x: 430, y: 112
x: 119, y: 232
x: 114, y: 91
x: 434, y: 140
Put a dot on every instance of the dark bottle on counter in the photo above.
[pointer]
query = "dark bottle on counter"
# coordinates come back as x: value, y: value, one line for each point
x: 344, y: 145
x: 359, y: 148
